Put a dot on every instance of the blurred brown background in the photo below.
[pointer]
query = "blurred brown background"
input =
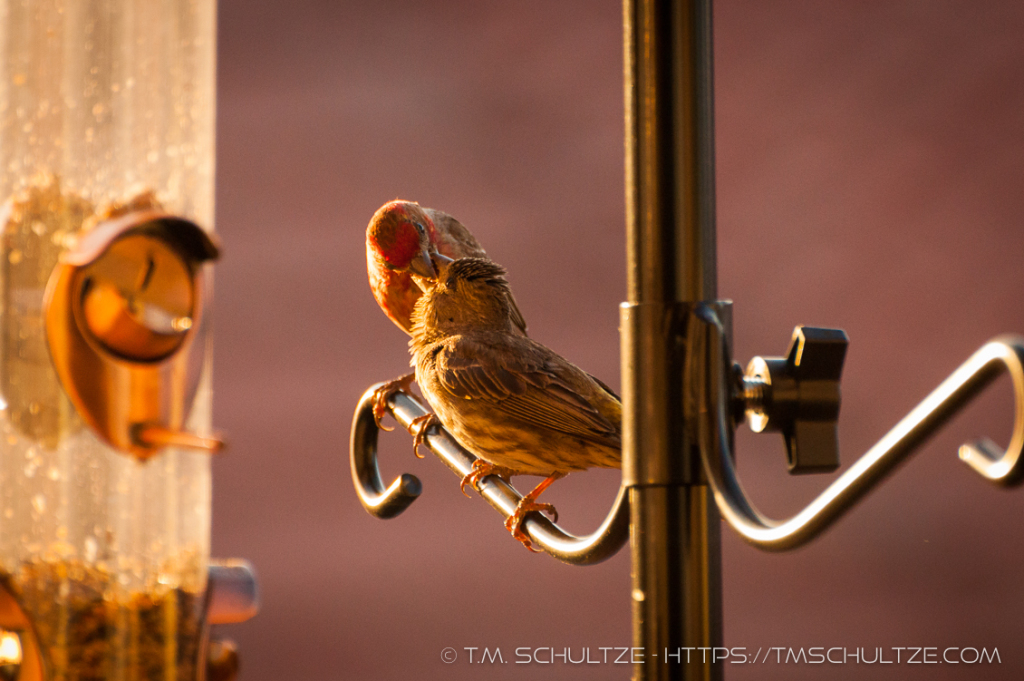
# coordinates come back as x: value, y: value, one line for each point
x: 870, y: 173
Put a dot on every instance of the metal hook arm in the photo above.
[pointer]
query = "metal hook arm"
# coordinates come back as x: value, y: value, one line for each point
x: 389, y: 502
x: 708, y: 407
x: 376, y: 499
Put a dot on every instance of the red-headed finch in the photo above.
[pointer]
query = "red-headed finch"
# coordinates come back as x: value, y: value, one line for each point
x: 512, y: 402
x: 401, y: 240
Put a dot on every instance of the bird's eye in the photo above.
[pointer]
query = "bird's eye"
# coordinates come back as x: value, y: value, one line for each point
x: 420, y: 228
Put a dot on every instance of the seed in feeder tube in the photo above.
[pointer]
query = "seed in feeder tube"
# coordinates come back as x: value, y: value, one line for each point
x: 84, y: 624
x: 39, y: 503
x: 37, y: 406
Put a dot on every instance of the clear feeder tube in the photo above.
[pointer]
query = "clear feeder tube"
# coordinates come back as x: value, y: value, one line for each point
x: 105, y: 105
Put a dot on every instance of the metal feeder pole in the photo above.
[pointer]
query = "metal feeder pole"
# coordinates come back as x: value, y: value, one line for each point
x: 670, y: 212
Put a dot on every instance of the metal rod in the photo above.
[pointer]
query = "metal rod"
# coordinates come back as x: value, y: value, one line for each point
x: 708, y: 359
x: 389, y: 502
x: 232, y: 593
x: 670, y: 213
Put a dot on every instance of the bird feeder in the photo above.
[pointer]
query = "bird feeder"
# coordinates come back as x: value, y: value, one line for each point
x: 106, y: 179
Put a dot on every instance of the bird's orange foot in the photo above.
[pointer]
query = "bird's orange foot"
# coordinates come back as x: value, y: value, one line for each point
x: 418, y: 430
x: 514, y: 523
x: 481, y: 469
x: 381, y: 395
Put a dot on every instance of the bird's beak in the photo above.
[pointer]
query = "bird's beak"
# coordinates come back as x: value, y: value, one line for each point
x: 422, y: 265
x: 440, y: 261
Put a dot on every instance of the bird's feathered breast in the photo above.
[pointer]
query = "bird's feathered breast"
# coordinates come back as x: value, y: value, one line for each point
x: 393, y: 290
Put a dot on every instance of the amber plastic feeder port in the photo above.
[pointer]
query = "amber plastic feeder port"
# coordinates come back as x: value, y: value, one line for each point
x: 123, y: 313
x: 137, y: 299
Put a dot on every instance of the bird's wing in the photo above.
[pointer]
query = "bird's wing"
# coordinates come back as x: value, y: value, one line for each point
x: 452, y: 237
x: 539, y: 392
x: 517, y: 316
x: 605, y: 387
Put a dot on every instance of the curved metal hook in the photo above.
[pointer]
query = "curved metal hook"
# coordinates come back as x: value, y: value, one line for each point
x: 708, y: 405
x: 376, y: 499
x: 389, y: 502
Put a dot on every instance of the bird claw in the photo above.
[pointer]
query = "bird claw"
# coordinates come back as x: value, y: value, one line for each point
x: 381, y: 395
x: 514, y: 523
x: 418, y: 429
x: 481, y: 469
